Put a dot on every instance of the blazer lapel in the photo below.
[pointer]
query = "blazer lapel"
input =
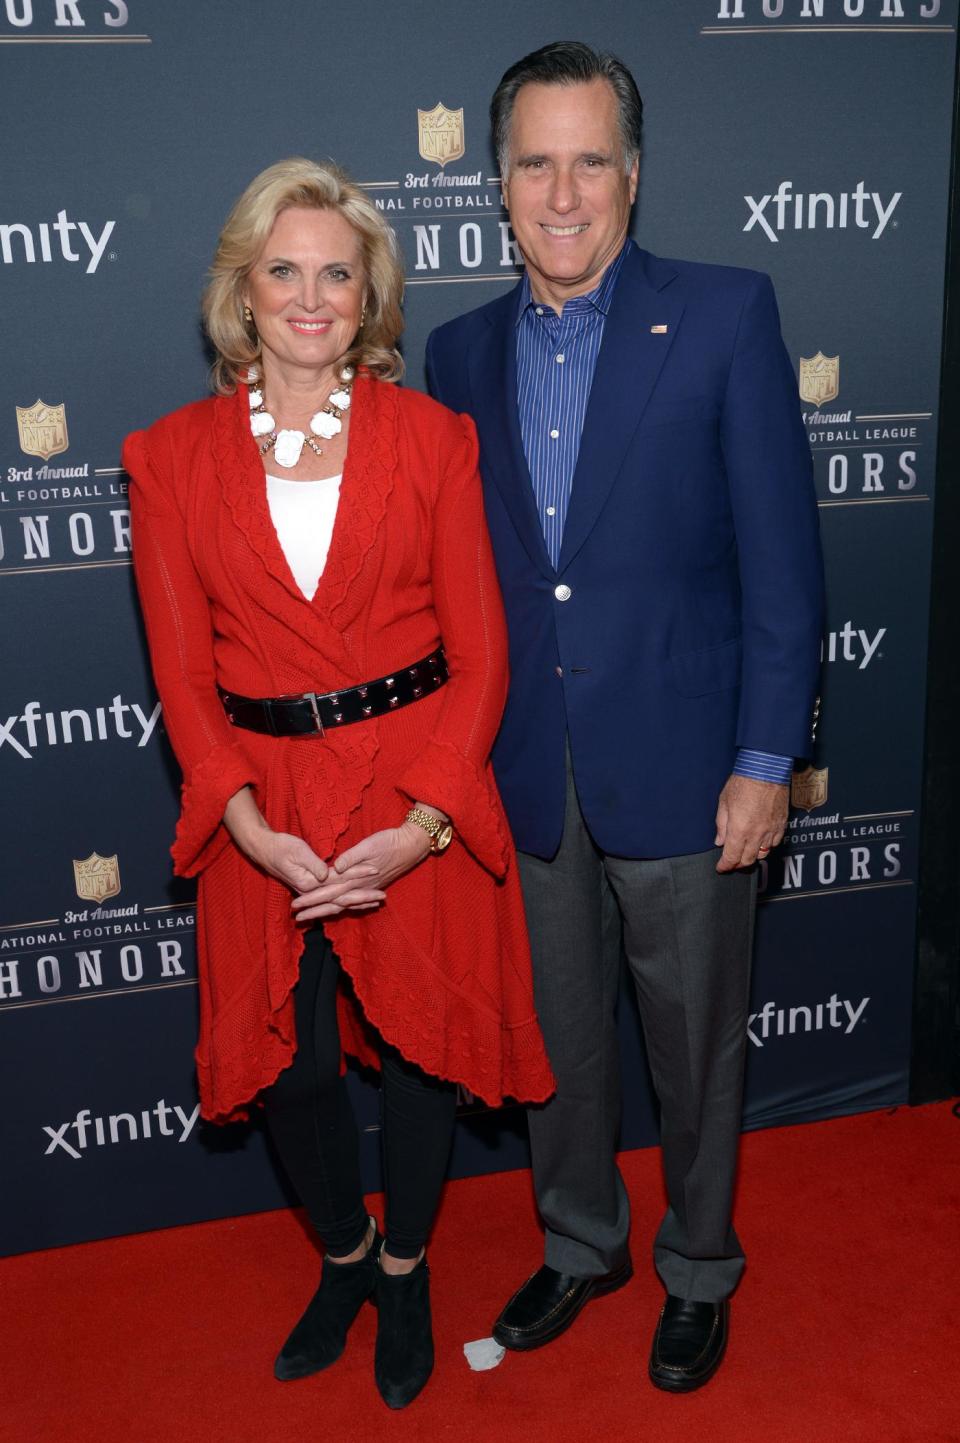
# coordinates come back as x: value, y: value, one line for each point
x: 493, y: 384
x: 637, y: 335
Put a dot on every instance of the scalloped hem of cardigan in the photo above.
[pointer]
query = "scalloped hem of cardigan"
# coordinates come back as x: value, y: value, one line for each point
x: 216, y: 1104
x: 519, y: 1047
x: 495, y: 1100
x: 222, y: 1112
x: 523, y: 1073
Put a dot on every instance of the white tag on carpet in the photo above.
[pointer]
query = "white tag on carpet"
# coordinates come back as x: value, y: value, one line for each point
x: 484, y: 1354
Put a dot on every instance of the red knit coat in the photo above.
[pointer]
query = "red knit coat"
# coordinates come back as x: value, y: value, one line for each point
x: 442, y: 970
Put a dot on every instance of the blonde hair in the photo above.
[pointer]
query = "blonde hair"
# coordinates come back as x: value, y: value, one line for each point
x: 325, y: 187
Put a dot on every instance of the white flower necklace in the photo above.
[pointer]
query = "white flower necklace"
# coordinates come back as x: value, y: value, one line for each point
x: 288, y: 445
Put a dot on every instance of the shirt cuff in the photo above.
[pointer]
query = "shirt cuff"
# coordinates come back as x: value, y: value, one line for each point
x: 763, y: 766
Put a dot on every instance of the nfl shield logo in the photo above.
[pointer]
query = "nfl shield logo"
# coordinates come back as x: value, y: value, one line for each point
x: 808, y: 790
x: 441, y: 134
x: 97, y: 878
x: 43, y: 429
x: 819, y: 379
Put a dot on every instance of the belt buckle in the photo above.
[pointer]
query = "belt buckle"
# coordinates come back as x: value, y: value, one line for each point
x: 311, y: 697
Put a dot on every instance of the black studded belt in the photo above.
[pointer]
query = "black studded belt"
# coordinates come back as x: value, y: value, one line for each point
x: 310, y: 713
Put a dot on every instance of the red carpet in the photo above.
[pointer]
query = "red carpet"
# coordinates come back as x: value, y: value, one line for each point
x: 845, y: 1326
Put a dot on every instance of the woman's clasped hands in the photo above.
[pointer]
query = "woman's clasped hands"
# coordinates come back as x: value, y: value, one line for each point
x: 357, y: 879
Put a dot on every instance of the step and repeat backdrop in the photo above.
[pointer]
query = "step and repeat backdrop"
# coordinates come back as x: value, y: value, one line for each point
x: 806, y: 138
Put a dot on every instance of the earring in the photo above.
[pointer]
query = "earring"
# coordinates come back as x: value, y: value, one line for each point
x: 363, y: 314
x: 248, y: 315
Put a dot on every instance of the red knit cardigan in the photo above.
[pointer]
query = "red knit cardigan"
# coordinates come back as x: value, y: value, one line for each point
x: 442, y: 970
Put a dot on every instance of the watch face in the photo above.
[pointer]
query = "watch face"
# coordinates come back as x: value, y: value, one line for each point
x: 444, y: 838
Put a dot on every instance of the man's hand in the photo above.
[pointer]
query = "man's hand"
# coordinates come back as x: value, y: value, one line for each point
x: 359, y: 875
x: 751, y: 817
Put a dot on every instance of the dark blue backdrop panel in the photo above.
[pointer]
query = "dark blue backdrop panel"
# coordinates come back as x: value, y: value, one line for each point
x: 814, y: 146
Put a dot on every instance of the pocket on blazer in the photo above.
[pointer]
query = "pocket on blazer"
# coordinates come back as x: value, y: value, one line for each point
x: 714, y: 668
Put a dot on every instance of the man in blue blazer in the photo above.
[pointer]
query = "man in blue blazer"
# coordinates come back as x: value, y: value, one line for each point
x: 649, y: 494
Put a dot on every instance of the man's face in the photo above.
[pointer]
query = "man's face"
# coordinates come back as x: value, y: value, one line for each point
x: 566, y: 187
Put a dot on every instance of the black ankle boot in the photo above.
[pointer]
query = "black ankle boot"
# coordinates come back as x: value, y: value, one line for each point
x: 321, y: 1334
x: 404, y: 1356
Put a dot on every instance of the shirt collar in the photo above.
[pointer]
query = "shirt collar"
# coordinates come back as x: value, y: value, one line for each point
x: 598, y: 299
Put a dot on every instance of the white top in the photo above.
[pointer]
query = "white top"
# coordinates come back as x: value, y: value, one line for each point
x: 303, y: 513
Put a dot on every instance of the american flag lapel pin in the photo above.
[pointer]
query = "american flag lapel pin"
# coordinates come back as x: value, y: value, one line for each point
x: 658, y: 330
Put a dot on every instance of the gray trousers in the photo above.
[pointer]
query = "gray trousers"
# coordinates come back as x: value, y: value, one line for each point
x: 687, y: 935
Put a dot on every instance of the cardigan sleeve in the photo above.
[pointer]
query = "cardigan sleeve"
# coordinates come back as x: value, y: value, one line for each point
x: 176, y: 611
x: 452, y: 771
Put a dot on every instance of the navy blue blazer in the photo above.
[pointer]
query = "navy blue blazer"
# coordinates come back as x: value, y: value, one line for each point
x: 684, y: 618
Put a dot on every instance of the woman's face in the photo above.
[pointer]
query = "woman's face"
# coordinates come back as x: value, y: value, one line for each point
x: 306, y: 289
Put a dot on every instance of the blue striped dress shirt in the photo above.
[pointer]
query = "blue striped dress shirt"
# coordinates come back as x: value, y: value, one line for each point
x: 556, y: 359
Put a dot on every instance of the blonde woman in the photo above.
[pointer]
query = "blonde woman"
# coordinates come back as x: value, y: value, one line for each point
x: 328, y: 642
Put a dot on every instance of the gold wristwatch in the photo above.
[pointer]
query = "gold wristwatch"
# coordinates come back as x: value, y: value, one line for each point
x: 439, y: 832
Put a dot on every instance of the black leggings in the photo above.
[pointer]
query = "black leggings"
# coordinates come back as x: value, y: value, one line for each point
x: 312, y: 1125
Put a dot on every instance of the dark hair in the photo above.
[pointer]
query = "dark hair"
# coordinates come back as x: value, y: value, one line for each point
x: 568, y: 62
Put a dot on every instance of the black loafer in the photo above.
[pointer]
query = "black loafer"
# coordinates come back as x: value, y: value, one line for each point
x: 689, y: 1344
x: 547, y: 1304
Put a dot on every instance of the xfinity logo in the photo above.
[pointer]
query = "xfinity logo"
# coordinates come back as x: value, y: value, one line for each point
x: 74, y: 1137
x: 103, y: 723
x: 18, y: 242
x: 784, y: 210
x: 852, y: 643
x: 774, y: 1021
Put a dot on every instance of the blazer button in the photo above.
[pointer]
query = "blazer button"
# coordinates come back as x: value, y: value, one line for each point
x: 562, y: 592
x: 559, y: 670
